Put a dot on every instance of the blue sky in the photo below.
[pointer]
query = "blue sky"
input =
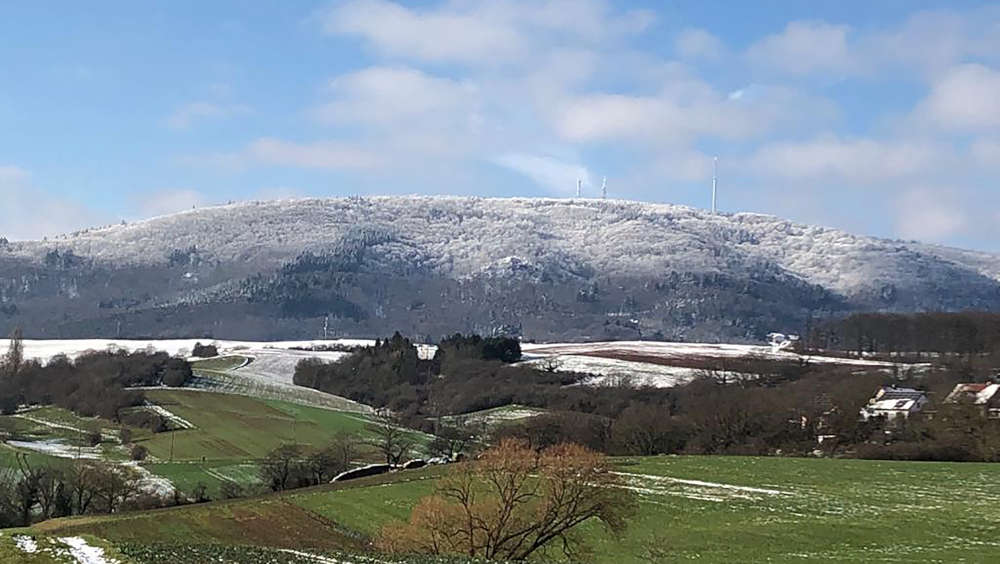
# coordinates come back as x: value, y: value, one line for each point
x: 877, y: 117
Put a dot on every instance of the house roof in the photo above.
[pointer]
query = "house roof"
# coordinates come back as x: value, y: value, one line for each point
x: 892, y: 393
x: 979, y: 394
x: 893, y: 405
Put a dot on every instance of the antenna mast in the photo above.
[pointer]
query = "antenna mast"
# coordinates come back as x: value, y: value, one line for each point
x: 715, y: 181
x: 579, y: 186
x: 604, y: 189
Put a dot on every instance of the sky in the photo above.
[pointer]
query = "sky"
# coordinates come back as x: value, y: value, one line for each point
x: 880, y: 118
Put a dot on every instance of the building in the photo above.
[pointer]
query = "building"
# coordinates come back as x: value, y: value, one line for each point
x: 985, y: 395
x: 892, y: 402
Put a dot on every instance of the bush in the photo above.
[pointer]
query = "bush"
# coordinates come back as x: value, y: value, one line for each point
x: 139, y: 452
x: 204, y: 351
x: 8, y: 404
x: 145, y: 419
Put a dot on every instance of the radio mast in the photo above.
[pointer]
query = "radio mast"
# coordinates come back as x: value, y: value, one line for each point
x: 604, y: 189
x: 715, y: 181
x: 579, y: 186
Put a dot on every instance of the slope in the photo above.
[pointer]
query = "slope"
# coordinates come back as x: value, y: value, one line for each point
x: 710, y: 509
x: 429, y: 266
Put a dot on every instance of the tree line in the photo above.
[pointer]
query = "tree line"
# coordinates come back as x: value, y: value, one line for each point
x: 751, y: 407
x: 911, y: 334
x: 30, y: 493
x: 94, y: 384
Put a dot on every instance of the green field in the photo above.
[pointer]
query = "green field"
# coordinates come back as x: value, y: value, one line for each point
x: 706, y: 509
x: 234, y: 428
x: 230, y: 434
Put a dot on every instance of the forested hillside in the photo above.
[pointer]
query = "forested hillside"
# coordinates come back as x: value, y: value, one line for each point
x: 538, y: 268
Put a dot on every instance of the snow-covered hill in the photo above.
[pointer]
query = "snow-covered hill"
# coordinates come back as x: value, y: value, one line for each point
x: 458, y: 236
x: 497, y: 244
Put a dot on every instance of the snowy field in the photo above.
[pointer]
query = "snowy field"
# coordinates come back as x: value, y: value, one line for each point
x: 45, y: 349
x: 612, y: 371
x: 668, y: 365
x: 271, y: 365
x: 667, y: 351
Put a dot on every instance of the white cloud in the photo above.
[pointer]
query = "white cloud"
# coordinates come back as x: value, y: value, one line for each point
x: 967, y: 97
x: 386, y: 95
x: 479, y: 32
x: 169, y: 200
x: 929, y: 215
x: 857, y: 160
x: 601, y: 117
x: 28, y: 212
x: 186, y: 115
x: 434, y: 36
x: 928, y: 42
x: 805, y: 47
x: 11, y: 175
x: 932, y: 41
x: 697, y: 43
x: 986, y: 152
x: 685, y: 111
x: 548, y: 172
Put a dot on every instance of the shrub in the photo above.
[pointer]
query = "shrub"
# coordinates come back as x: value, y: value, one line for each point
x: 204, y: 351
x: 139, y: 452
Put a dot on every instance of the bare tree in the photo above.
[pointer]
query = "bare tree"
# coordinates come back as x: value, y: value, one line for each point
x: 345, y: 447
x: 82, y: 482
x: 391, y: 439
x: 514, y: 502
x: 115, y: 485
x: 450, y: 441
x: 282, y: 466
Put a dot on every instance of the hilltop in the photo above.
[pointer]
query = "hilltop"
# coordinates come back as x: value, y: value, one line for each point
x: 541, y: 268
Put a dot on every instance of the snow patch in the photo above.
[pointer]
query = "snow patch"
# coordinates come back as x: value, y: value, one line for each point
x: 44, y: 349
x: 700, y: 483
x: 26, y: 544
x: 151, y: 483
x: 611, y: 371
x: 168, y: 415
x: 59, y: 448
x: 50, y: 423
x: 83, y: 553
x: 314, y: 557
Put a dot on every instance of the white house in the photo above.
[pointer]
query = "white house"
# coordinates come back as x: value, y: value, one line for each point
x: 892, y: 402
x: 985, y: 395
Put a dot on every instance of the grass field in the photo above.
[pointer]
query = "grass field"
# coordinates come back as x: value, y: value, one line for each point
x: 230, y: 434
x: 234, y: 428
x: 709, y: 509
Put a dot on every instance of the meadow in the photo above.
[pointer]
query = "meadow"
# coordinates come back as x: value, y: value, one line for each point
x: 709, y: 509
x: 232, y: 427
x: 227, y: 435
